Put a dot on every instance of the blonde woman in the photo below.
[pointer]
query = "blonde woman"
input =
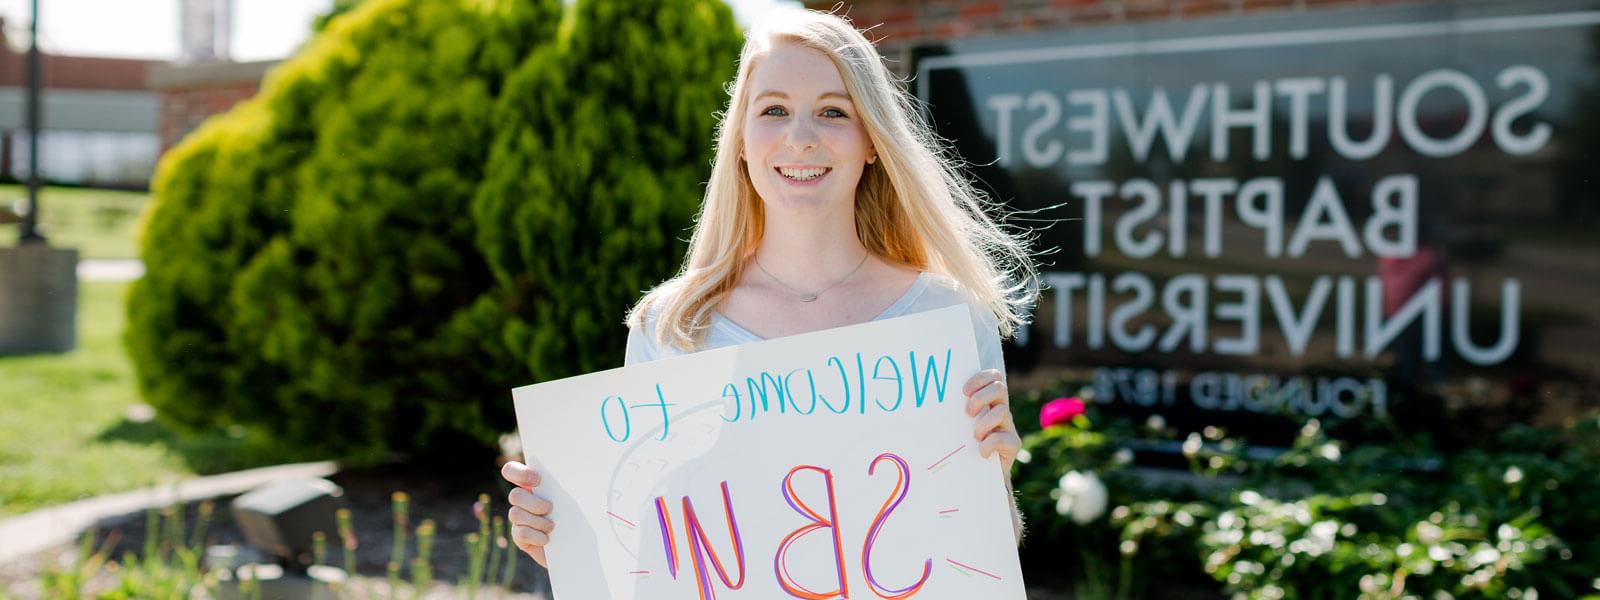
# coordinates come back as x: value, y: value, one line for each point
x: 830, y: 204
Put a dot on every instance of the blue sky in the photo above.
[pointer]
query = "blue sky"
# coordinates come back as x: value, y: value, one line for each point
x: 262, y: 30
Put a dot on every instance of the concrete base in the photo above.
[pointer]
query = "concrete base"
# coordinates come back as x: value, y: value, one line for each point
x: 46, y: 528
x: 38, y: 299
x: 272, y: 583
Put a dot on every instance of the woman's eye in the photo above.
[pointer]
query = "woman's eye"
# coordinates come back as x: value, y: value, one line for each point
x: 834, y: 113
x: 775, y: 111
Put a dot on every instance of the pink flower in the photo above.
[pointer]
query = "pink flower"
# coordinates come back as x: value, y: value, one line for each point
x: 1060, y: 411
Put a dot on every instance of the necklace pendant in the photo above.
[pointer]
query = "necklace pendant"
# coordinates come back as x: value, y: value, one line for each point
x: 808, y: 298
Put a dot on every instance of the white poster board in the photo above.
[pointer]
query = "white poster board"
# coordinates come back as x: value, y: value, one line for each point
x: 758, y: 472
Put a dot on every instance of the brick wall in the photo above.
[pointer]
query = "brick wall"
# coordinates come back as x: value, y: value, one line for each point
x: 74, y: 72
x: 183, y: 109
x: 898, y: 25
x: 192, y: 93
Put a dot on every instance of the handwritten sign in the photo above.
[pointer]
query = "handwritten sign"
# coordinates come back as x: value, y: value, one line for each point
x: 835, y: 464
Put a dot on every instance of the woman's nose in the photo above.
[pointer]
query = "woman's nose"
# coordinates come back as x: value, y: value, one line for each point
x: 800, y: 136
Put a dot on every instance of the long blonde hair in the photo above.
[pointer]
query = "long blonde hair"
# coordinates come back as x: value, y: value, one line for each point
x: 913, y: 207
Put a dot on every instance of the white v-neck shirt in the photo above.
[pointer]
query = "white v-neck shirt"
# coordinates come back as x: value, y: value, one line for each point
x: 930, y: 291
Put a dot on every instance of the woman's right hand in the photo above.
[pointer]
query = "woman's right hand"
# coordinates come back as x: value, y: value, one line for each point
x: 530, y: 527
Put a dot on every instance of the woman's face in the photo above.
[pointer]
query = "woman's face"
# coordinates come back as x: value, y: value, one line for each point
x: 804, y: 144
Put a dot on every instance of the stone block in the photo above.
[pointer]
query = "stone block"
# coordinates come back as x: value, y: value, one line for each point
x: 38, y: 299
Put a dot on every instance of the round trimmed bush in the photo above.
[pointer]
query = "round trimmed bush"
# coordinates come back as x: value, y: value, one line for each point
x: 328, y: 262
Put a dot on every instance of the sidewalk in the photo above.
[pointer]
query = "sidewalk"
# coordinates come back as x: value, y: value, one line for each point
x: 115, y: 269
x: 42, y: 529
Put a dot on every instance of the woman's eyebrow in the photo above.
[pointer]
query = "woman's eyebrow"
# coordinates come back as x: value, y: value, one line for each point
x: 776, y: 93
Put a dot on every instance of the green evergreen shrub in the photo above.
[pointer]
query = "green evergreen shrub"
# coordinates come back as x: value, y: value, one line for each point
x: 615, y: 145
x: 210, y: 215
x: 313, y: 257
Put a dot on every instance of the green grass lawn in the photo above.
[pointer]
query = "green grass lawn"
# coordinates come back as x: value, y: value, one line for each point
x: 99, y: 223
x: 64, y: 429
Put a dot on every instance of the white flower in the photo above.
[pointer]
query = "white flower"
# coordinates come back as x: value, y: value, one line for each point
x: 1083, y: 497
x: 1123, y: 456
x: 1156, y: 422
x: 1329, y: 452
x: 1320, y: 539
x: 511, y: 445
x: 1507, y: 532
x: 1183, y: 518
x: 1191, y: 445
x: 1513, y: 475
x: 1373, y: 583
x: 1023, y: 456
x: 1324, y: 531
x: 1311, y: 428
x: 1229, y: 520
x: 1483, y: 556
x: 1428, y: 533
x: 1438, y: 553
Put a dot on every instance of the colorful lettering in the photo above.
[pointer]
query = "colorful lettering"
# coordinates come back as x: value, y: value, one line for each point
x: 661, y: 401
x: 788, y: 391
x: 844, y: 384
x: 759, y: 387
x: 788, y: 584
x: 861, y: 382
x: 700, y: 546
x: 899, y: 384
x: 627, y: 420
x: 902, y: 486
x: 738, y: 409
x: 669, y: 542
x: 627, y: 423
x: 940, y: 381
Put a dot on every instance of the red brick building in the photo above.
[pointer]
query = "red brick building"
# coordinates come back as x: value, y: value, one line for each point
x: 899, y: 25
x: 189, y: 94
x: 99, y: 118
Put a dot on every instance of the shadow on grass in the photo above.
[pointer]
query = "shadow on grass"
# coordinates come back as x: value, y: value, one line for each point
x: 209, y: 452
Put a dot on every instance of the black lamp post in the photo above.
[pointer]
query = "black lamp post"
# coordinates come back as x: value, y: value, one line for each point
x: 38, y: 282
x: 30, y: 223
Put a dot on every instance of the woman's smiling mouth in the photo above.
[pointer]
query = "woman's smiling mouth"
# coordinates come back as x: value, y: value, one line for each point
x: 802, y: 174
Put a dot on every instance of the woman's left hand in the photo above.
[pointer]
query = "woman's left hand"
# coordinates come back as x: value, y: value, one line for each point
x: 989, y: 401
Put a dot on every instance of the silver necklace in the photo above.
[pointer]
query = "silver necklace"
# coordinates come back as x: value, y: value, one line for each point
x: 812, y: 296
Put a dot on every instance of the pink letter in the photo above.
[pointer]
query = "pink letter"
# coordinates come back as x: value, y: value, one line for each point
x: 817, y: 522
x: 699, y: 546
x: 669, y: 542
x: 902, y: 485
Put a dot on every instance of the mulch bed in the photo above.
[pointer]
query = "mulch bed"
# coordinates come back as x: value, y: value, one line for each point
x: 444, y: 497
